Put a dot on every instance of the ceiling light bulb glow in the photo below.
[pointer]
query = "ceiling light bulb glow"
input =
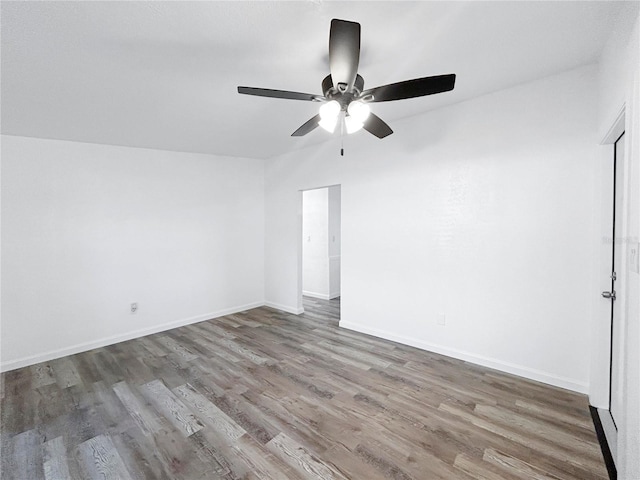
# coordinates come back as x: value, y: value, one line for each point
x: 329, y: 124
x: 352, y: 124
x: 359, y: 111
x: 330, y: 110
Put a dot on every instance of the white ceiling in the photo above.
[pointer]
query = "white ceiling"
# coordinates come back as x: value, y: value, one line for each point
x: 164, y: 74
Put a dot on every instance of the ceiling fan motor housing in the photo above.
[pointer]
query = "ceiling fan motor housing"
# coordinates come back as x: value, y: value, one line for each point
x: 344, y: 98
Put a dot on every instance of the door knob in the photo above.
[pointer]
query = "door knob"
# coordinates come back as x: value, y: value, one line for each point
x: 611, y: 295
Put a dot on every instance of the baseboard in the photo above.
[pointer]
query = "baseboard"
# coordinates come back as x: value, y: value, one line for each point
x: 334, y: 295
x: 604, y: 445
x: 103, y: 342
x: 506, y: 367
x: 322, y: 296
x: 285, y: 308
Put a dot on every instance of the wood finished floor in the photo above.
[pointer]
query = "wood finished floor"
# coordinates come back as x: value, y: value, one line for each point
x: 264, y: 394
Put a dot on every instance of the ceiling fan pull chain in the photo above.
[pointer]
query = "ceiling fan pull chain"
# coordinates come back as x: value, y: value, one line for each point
x: 342, y: 139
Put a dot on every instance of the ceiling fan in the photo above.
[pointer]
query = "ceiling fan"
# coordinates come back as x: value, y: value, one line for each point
x: 344, y: 95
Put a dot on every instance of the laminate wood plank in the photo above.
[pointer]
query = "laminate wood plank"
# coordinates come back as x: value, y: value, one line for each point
x: 146, y: 419
x: 476, y: 469
x: 264, y: 394
x: 86, y: 369
x: 50, y: 401
x: 298, y: 418
x: 526, y: 441
x: 249, y: 417
x: 213, y: 349
x: 209, y: 413
x: 18, y: 461
x: 540, y: 430
x: 18, y: 409
x: 261, y: 461
x: 141, y: 457
x: 516, y: 467
x: 546, y: 412
x: 216, y: 462
x: 165, y: 368
x: 171, y: 407
x: 208, y: 328
x: 101, y: 461
x: 110, y: 372
x: 132, y: 368
x: 55, y: 460
x: 174, y: 346
x: 65, y: 372
x: 242, y: 351
x: 42, y: 374
x: 153, y: 347
x: 301, y: 459
x: 377, y: 460
x: 339, y: 358
x: 365, y: 357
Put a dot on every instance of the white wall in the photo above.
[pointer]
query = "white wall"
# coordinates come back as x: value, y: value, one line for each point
x: 88, y: 229
x: 334, y: 241
x: 619, y: 87
x: 481, y: 211
x: 315, y: 243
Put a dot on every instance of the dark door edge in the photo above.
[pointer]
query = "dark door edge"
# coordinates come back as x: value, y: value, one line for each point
x: 604, y: 445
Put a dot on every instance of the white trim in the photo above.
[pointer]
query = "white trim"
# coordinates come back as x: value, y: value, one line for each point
x: 285, y: 308
x: 526, y: 372
x: 323, y: 296
x: 616, y: 129
x: 103, y: 342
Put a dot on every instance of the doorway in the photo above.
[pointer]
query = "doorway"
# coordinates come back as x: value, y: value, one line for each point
x: 321, y: 252
x: 615, y: 357
x: 614, y: 252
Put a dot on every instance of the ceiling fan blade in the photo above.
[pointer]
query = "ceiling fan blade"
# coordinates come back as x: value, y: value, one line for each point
x: 418, y: 87
x: 267, y: 92
x: 344, y: 53
x: 376, y: 126
x: 307, y: 127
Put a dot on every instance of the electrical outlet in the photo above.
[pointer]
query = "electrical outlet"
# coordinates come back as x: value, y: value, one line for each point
x: 442, y: 319
x: 134, y: 307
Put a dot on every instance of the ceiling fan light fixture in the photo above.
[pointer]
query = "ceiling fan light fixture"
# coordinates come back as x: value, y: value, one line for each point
x: 329, y: 113
x: 329, y: 124
x: 352, y: 124
x: 330, y: 110
x: 359, y: 111
x: 345, y: 101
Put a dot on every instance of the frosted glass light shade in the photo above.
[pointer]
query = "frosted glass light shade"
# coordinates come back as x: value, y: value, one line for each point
x: 359, y: 111
x: 330, y: 110
x: 352, y: 124
x: 329, y: 124
x: 329, y: 113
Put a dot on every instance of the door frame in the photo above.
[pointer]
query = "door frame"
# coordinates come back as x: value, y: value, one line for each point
x: 300, y: 244
x: 600, y: 391
x: 617, y: 284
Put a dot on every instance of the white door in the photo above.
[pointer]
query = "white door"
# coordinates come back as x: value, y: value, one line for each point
x: 617, y: 259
